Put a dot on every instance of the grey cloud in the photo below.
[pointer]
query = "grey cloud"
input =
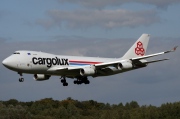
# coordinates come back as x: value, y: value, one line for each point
x: 99, y: 18
x: 104, y: 3
x: 156, y: 84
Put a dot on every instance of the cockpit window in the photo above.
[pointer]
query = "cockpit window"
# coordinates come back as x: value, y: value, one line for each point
x: 16, y: 53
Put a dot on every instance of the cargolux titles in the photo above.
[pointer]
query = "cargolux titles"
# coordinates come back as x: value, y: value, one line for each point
x: 50, y: 61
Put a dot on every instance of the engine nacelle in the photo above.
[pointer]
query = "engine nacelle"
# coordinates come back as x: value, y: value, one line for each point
x: 88, y: 71
x: 124, y: 65
x: 41, y: 77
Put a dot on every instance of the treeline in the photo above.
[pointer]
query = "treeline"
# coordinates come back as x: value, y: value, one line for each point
x: 73, y: 109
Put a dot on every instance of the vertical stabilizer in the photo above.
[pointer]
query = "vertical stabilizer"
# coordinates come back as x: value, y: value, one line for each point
x: 139, y: 48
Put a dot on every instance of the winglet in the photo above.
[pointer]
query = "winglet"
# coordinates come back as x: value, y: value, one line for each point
x: 174, y: 49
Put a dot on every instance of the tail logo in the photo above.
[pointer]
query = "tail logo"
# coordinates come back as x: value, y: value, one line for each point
x: 139, y: 50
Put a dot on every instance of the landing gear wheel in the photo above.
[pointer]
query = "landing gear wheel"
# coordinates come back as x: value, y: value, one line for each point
x: 79, y: 82
x: 65, y: 84
x: 63, y: 81
x: 75, y: 82
x: 87, y: 82
x: 21, y: 79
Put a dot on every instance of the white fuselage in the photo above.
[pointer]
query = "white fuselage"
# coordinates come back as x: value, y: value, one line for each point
x: 39, y: 62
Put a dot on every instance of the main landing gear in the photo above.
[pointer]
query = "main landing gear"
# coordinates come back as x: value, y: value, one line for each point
x: 21, y: 79
x: 63, y: 81
x: 81, y: 80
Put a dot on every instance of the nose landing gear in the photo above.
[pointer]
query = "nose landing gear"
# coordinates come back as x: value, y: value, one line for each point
x: 21, y: 79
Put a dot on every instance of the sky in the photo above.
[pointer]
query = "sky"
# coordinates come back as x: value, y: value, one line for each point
x: 103, y: 28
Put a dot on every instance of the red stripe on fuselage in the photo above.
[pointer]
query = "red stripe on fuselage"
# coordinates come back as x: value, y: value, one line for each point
x: 88, y: 62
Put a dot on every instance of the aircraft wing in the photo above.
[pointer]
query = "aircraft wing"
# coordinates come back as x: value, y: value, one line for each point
x: 114, y: 63
x: 138, y: 58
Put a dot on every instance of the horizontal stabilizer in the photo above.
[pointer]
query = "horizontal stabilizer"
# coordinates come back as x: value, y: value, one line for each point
x: 153, y: 61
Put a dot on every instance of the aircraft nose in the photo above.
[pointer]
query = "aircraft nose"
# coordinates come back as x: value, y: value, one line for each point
x: 4, y: 62
x: 7, y: 62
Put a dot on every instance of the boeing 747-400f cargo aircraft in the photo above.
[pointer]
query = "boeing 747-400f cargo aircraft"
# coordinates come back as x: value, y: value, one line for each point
x: 44, y: 65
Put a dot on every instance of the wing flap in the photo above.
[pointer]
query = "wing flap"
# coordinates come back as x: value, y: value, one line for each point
x: 106, y: 64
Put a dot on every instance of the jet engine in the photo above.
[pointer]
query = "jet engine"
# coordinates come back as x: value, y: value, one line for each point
x: 124, y: 65
x: 41, y: 77
x: 88, y: 71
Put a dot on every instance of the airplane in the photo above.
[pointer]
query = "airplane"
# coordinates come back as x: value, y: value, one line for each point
x: 44, y: 65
